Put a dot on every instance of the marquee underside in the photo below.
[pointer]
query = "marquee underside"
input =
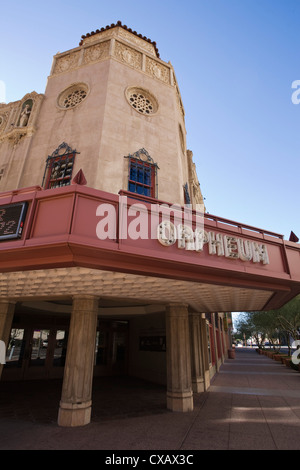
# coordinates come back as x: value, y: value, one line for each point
x: 63, y: 283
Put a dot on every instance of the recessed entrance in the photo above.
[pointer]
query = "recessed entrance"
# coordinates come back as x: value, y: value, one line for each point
x: 35, y: 353
x: 111, y: 348
x: 38, y: 350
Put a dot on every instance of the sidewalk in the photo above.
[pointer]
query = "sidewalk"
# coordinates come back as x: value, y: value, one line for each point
x: 253, y: 403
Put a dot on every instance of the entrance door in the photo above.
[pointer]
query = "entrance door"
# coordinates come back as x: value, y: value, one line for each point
x: 39, y: 353
x: 35, y: 354
x: 118, y: 356
x: 111, y: 348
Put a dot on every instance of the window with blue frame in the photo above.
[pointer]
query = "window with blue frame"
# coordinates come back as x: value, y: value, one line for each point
x: 142, y: 174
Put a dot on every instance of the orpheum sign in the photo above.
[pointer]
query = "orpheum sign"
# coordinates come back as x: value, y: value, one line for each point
x: 171, y: 225
x: 87, y: 228
x: 217, y: 244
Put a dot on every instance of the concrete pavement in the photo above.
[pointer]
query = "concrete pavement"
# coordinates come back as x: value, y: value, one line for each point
x: 252, y: 403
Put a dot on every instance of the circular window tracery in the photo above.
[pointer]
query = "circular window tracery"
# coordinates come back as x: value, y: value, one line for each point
x: 141, y: 100
x: 73, y: 96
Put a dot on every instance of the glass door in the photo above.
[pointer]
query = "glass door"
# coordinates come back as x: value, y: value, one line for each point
x: 15, y: 353
x: 34, y: 353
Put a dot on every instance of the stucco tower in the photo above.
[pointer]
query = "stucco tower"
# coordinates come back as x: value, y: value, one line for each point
x: 116, y: 105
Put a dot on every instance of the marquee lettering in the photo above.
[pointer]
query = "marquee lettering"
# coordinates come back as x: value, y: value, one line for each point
x: 218, y: 244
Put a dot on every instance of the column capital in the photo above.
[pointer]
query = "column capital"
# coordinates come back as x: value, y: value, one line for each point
x: 195, y: 314
x: 85, y: 296
x: 178, y: 304
x: 83, y: 302
x: 177, y: 310
x: 7, y: 300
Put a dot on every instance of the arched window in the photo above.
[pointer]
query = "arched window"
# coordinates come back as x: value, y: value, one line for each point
x: 142, y: 174
x: 59, y: 167
x: 187, y: 199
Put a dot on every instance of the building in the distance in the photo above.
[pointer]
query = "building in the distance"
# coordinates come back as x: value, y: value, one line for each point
x: 107, y: 265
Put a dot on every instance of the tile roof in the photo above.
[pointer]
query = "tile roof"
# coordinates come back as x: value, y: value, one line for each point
x: 113, y: 25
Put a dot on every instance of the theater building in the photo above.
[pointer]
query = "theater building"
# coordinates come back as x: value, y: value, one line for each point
x: 109, y: 263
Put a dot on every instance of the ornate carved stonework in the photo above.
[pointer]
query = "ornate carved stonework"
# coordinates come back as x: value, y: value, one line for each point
x: 16, y: 135
x: 96, y: 52
x: 157, y: 70
x: 123, y: 44
x: 2, y: 172
x: 128, y: 55
x: 18, y: 118
x: 3, y: 119
x: 73, y: 95
x: 141, y: 100
x: 142, y: 44
x: 66, y: 62
x: 179, y: 102
x: 102, y: 35
x: 194, y: 184
x: 124, y: 33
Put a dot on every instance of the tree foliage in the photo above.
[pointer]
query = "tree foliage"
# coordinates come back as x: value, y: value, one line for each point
x: 273, y: 324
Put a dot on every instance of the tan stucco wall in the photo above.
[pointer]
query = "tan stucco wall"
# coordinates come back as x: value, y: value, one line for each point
x: 104, y: 128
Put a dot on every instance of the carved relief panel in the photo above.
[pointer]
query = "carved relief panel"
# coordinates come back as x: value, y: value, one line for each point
x: 128, y: 55
x: 157, y: 70
x: 66, y: 62
x: 96, y: 52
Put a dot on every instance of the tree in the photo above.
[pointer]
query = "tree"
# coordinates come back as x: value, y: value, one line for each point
x: 288, y: 318
x: 272, y: 324
x: 251, y: 324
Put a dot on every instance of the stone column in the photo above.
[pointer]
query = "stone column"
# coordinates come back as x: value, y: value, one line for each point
x: 204, y: 351
x: 7, y: 309
x: 215, y: 345
x: 196, y: 353
x: 76, y: 400
x: 179, y: 384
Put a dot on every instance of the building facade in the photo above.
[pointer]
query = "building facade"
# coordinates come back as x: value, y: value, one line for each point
x: 104, y: 101
x: 93, y: 279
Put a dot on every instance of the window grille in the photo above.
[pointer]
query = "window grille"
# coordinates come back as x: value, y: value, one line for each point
x: 59, y: 167
x: 141, y: 100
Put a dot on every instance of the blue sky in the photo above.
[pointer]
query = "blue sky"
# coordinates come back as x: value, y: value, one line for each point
x: 235, y: 62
